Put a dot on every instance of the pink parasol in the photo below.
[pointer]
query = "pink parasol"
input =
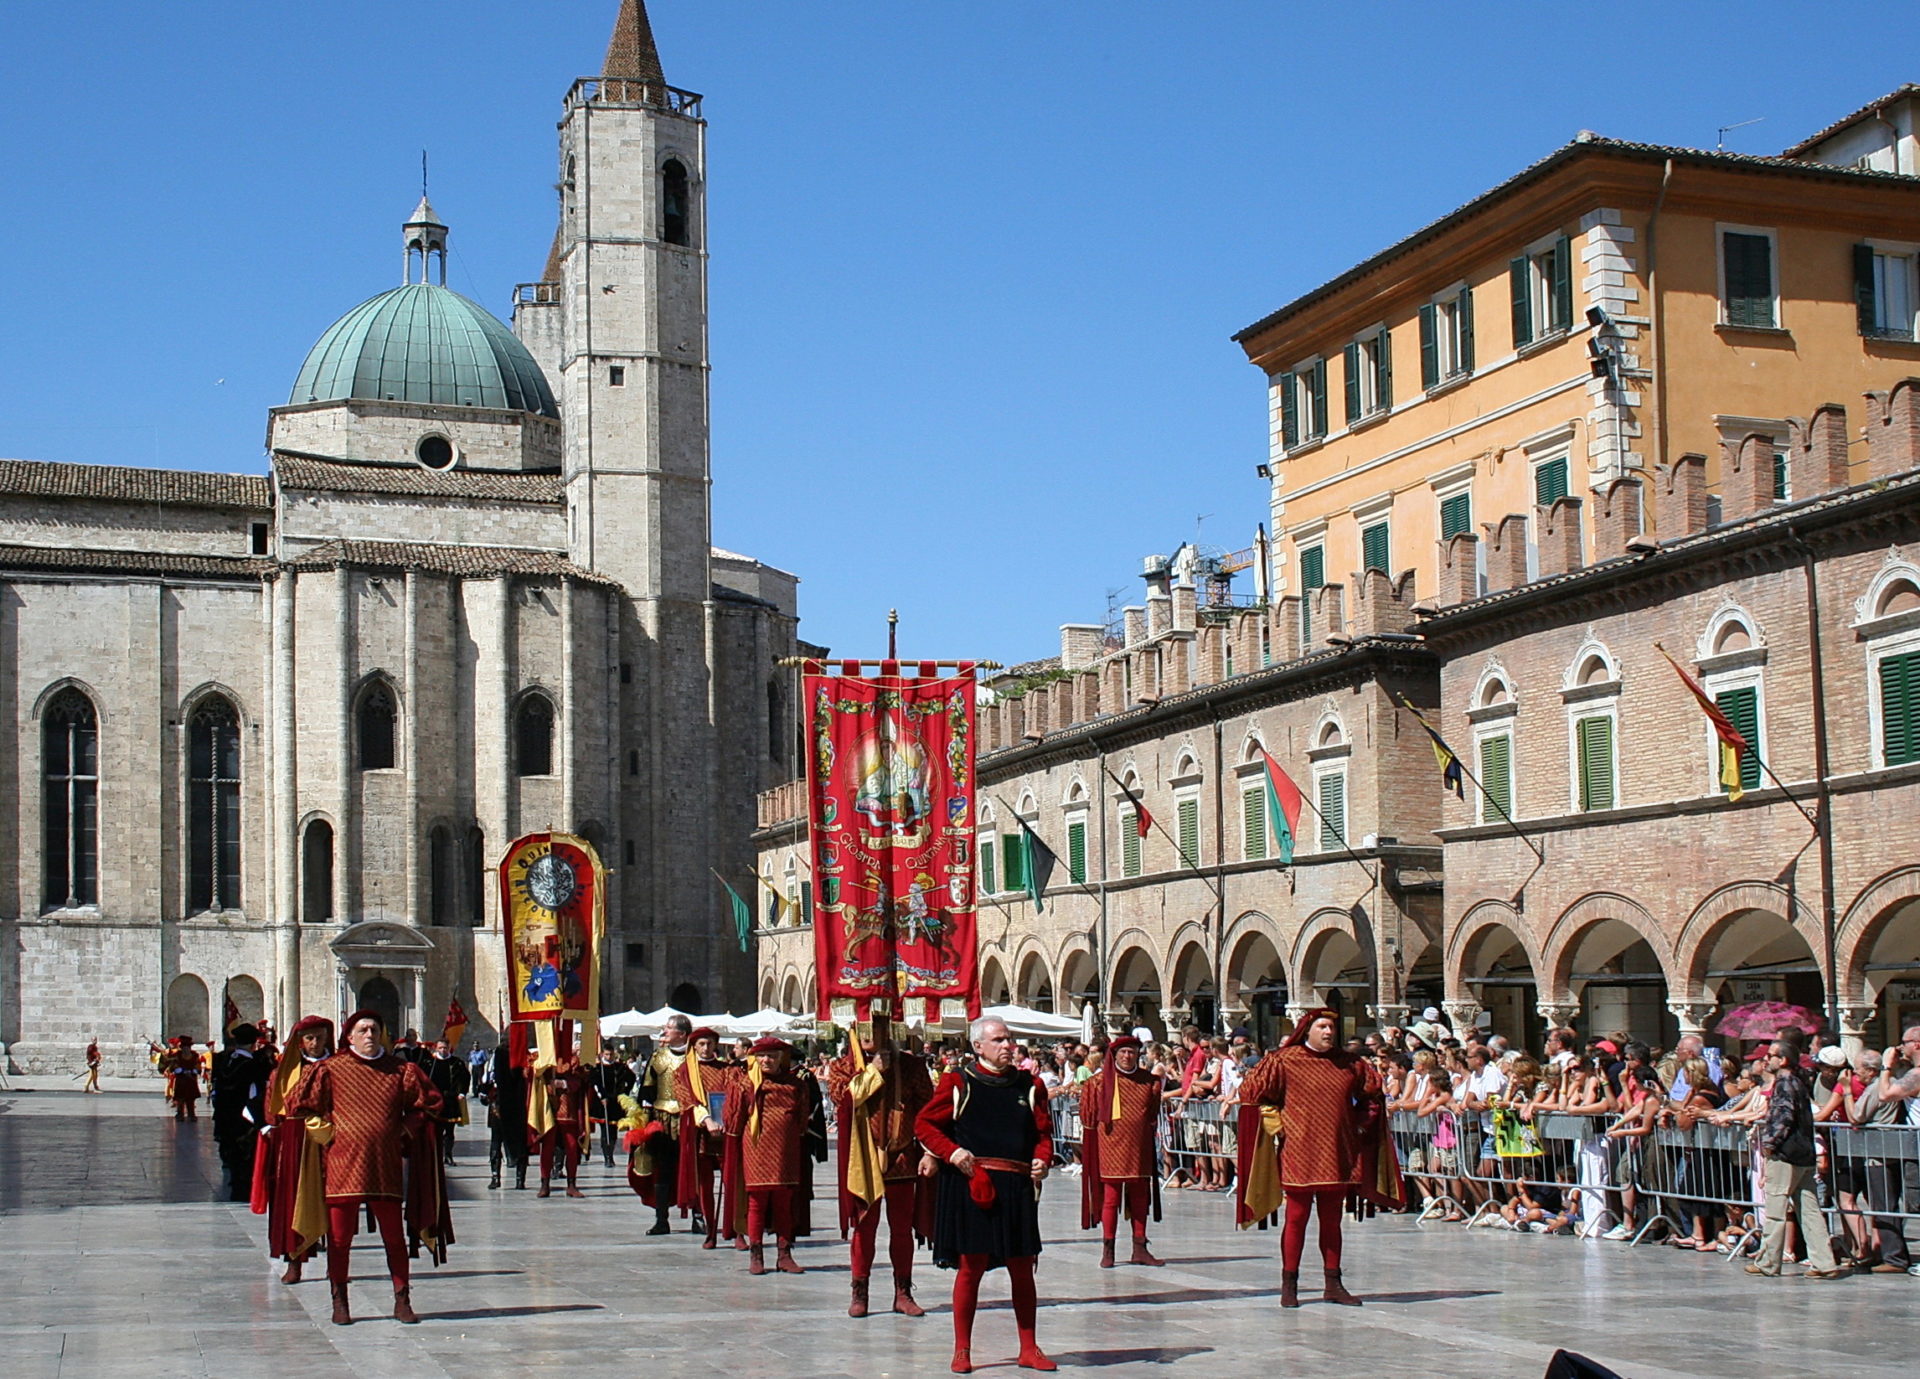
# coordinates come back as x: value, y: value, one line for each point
x: 1767, y: 1019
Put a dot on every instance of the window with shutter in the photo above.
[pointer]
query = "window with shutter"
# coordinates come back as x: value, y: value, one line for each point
x: 1333, y: 810
x: 1429, y: 345
x: 987, y: 874
x: 1594, y: 737
x: 1779, y: 476
x: 1313, y: 567
x: 1373, y: 547
x: 1317, y: 381
x: 1889, y: 304
x: 1747, y: 267
x: 1456, y: 515
x: 1562, y: 277
x: 1189, y: 815
x: 1463, y: 332
x: 1077, y: 851
x: 1496, y: 777
x: 1900, y: 708
x: 1289, y: 410
x: 1356, y: 395
x: 1550, y: 481
x: 1520, y: 279
x: 1383, y: 371
x: 1129, y: 843
x: 1013, y: 862
x: 1742, y: 708
x: 1253, y: 823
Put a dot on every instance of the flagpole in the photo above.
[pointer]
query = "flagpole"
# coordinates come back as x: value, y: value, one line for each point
x: 1540, y: 857
x: 1152, y: 822
x: 1767, y: 770
x: 1341, y: 834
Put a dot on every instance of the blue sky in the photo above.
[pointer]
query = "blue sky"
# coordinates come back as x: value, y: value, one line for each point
x: 975, y: 265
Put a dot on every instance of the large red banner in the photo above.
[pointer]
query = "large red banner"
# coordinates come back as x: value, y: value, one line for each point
x: 890, y: 811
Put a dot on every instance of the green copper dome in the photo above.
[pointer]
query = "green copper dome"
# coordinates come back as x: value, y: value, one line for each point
x: 423, y: 343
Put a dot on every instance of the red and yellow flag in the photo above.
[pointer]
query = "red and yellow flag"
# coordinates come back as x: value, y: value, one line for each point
x: 1731, y: 740
x: 456, y: 1023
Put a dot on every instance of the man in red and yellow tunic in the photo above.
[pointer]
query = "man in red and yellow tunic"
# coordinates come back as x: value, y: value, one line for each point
x: 773, y: 1118
x: 182, y: 1067
x: 564, y: 1085
x: 877, y: 1091
x: 1313, y: 1134
x: 373, y: 1103
x: 702, y: 1086
x: 1119, y: 1119
x: 288, y: 1187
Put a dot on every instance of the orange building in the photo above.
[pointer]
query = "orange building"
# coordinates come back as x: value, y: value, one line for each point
x: 1612, y: 307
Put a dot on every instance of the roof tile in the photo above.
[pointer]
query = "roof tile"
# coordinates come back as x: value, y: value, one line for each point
x: 122, y: 483
x: 296, y: 470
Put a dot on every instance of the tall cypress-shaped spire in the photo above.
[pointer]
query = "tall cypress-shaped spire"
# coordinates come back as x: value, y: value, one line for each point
x: 631, y: 55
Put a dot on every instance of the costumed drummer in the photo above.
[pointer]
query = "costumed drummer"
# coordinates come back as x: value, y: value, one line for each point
x: 373, y: 1103
x: 774, y: 1118
x: 877, y: 1091
x: 1119, y: 1116
x: 989, y: 1139
x: 1321, y: 1110
x: 702, y: 1087
x: 653, y: 1146
x: 288, y: 1187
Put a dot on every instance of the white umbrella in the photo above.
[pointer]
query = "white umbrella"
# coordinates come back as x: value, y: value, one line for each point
x: 1019, y: 1020
x: 622, y: 1026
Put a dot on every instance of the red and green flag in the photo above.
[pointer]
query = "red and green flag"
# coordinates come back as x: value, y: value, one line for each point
x: 1283, y: 807
x: 1731, y: 741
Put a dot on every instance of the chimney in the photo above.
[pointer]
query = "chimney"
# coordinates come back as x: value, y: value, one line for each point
x: 1746, y: 477
x: 1136, y: 624
x: 1159, y: 614
x: 1682, y: 497
x: 1080, y: 644
x: 1561, y: 548
x: 1893, y: 430
x: 1183, y: 608
x: 1459, y: 568
x: 1329, y: 604
x: 1616, y: 516
x: 1506, y: 552
x: 1817, y: 452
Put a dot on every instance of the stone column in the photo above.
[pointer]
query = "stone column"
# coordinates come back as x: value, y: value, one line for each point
x: 569, y: 794
x: 286, y: 818
x: 346, y: 852
x: 1462, y: 1014
x: 417, y: 1017
x: 410, y: 728
x: 1389, y: 1014
x: 1119, y: 1020
x: 1854, y: 1022
x: 1296, y: 1011
x: 1176, y: 1018
x: 1233, y: 1016
x: 1692, y: 1015
x: 1557, y: 1014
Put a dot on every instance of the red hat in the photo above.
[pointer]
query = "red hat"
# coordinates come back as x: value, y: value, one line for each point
x: 704, y: 1032
x: 308, y: 1024
x: 346, y: 1025
x: 1607, y: 1046
x: 1305, y: 1023
x: 1122, y: 1041
x: 770, y: 1045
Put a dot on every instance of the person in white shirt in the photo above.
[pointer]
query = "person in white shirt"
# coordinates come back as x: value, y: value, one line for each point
x: 1485, y: 1081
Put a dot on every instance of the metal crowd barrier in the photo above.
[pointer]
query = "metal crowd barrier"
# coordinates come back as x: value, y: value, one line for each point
x: 1553, y: 1152
x: 1194, y: 1130
x: 1879, y: 1167
x: 1428, y: 1148
x: 1064, y: 1107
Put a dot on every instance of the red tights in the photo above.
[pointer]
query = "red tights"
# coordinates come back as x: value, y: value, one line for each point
x: 1137, y: 1198
x: 343, y: 1217
x: 570, y: 1153
x: 966, y: 1297
x: 1293, y: 1237
x: 899, y: 1204
x: 770, y: 1208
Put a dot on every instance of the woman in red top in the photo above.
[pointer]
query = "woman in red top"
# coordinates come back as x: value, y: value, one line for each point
x: 1332, y: 1145
x: 373, y: 1099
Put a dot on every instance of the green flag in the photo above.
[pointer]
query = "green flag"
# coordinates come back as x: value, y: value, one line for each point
x: 742, y: 916
x: 1041, y: 860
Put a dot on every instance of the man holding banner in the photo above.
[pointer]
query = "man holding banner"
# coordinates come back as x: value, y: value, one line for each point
x: 877, y: 1091
x: 702, y: 1088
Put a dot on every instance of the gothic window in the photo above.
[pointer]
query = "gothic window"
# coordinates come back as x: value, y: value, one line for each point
x: 316, y: 873
x: 213, y: 807
x: 533, y: 736
x: 70, y: 757
x: 442, y: 879
x: 375, y: 721
x: 776, y: 723
x: 675, y: 217
x: 476, y: 866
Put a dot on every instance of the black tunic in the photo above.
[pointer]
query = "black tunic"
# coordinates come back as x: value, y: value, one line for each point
x: 995, y: 1121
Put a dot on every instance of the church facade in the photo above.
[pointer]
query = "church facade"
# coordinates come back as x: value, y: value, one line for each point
x: 273, y: 732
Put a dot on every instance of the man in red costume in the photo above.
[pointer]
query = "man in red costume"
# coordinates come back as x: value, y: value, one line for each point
x: 1320, y: 1109
x: 702, y: 1085
x: 989, y: 1139
x: 1119, y: 1117
x: 877, y: 1093
x: 372, y: 1100
x: 182, y: 1067
x: 771, y: 1118
x: 288, y: 1185
x: 564, y: 1085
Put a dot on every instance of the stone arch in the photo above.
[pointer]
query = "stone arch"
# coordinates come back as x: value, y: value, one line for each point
x: 1075, y: 794
x: 1592, y: 664
x: 1190, y: 975
x: 59, y: 687
x: 1186, y: 763
x: 1494, y: 686
x: 767, y: 994
x: 1033, y: 981
x: 1891, y: 898
x: 1468, y: 941
x: 1137, y: 985
x: 1577, y: 931
x: 1894, y: 588
x: 1256, y: 978
x: 1028, y: 805
x: 189, y: 1009
x: 248, y: 998
x: 994, y: 987
x: 1329, y: 729
x: 1756, y: 916
x: 790, y: 993
x: 214, y: 689
x: 1330, y: 944
x: 1077, y: 979
x: 1730, y: 628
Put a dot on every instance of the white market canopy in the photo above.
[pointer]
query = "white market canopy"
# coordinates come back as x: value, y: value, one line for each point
x: 629, y: 1024
x: 1019, y: 1020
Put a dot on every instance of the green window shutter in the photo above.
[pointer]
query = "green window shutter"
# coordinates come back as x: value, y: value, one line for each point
x: 1779, y: 476
x: 1383, y: 369
x: 1013, y: 862
x: 1742, y: 708
x: 1289, y: 411
x: 1464, y: 364
x: 1373, y: 548
x: 1456, y: 515
x: 1866, y: 309
x: 1333, y: 810
x: 1429, y: 347
x: 1520, y: 272
x: 1496, y: 777
x: 1900, y: 708
x: 1563, y: 284
x: 1318, y: 375
x: 1550, y: 482
x: 1077, y: 852
x: 1313, y: 568
x: 806, y: 903
x: 1253, y: 823
x: 987, y: 876
x: 1189, y: 814
x: 1748, y: 261
x: 1596, y: 763
x: 1129, y: 844
x: 1352, y: 357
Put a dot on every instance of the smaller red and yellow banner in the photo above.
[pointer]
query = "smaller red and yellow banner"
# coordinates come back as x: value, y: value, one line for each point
x: 553, y: 917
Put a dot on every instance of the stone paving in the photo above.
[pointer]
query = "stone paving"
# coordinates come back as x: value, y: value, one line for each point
x: 115, y: 1260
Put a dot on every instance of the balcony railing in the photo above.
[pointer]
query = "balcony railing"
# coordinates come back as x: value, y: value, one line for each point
x: 620, y: 91
x: 535, y: 293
